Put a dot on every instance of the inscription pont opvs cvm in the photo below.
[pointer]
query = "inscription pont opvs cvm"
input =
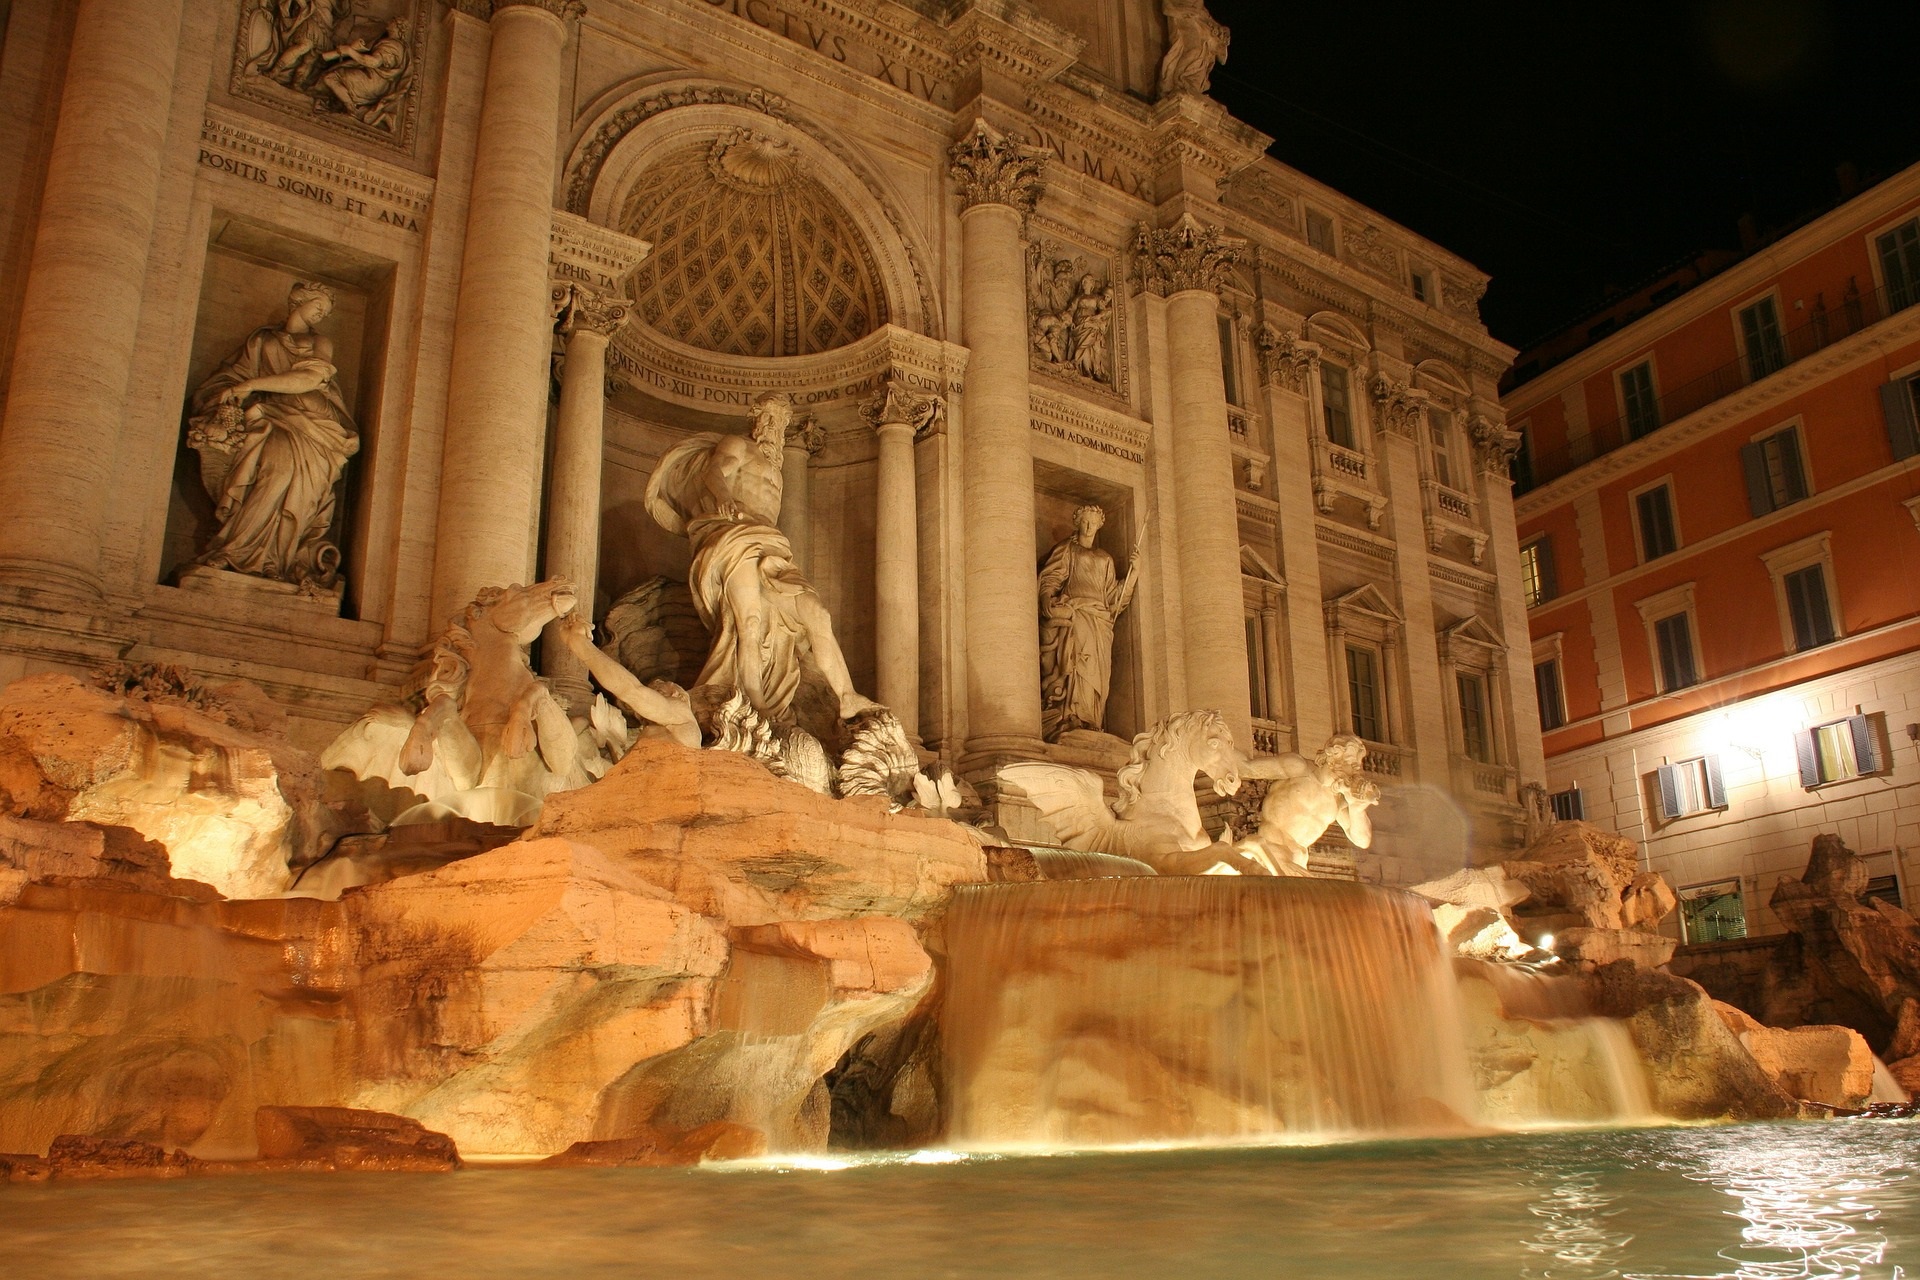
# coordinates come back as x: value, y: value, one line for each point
x: 306, y: 189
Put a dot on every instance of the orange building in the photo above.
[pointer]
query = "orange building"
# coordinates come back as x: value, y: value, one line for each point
x: 1718, y: 505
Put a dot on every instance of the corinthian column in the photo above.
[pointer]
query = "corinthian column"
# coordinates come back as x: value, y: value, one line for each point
x: 1000, y: 180
x: 804, y: 440
x: 899, y: 415
x: 573, y: 490
x: 502, y: 328
x: 80, y: 310
x: 1185, y: 262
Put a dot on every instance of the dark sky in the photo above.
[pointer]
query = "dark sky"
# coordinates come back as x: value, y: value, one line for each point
x: 1564, y: 148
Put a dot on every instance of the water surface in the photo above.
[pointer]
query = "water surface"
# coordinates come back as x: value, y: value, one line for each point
x: 1785, y: 1200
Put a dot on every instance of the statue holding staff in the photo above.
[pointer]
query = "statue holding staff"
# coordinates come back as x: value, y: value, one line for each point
x: 1080, y: 600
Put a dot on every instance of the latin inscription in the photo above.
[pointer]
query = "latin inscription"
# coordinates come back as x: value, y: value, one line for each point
x: 794, y: 27
x: 308, y: 190
x: 1085, y: 441
x: 634, y: 372
x: 1076, y: 157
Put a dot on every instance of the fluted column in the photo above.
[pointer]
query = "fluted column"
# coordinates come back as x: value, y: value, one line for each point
x: 1185, y: 262
x: 804, y: 439
x: 80, y: 309
x: 1000, y: 179
x: 503, y: 328
x: 898, y: 415
x: 588, y: 321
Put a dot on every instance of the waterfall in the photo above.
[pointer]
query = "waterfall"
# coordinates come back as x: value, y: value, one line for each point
x: 1198, y: 1009
x: 1540, y: 1057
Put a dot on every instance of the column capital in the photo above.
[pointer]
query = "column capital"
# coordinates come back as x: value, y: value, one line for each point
x: 897, y: 403
x: 1494, y: 443
x: 992, y: 167
x: 1397, y: 405
x: 804, y: 432
x: 1286, y: 360
x: 579, y: 310
x: 1187, y: 255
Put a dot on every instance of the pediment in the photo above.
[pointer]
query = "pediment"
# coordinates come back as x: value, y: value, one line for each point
x: 1369, y: 600
x: 1253, y: 565
x: 1474, y: 630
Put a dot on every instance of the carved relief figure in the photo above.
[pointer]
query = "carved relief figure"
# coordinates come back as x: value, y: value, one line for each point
x: 368, y: 80
x: 1070, y: 314
x: 1080, y: 598
x: 1195, y: 44
x: 274, y: 435
x: 723, y: 493
x: 297, y: 33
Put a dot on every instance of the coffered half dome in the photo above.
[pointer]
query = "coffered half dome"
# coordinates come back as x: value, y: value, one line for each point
x: 752, y: 254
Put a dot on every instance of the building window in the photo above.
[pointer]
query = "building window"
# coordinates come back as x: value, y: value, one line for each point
x: 1636, y: 395
x: 1547, y: 690
x: 1440, y: 446
x: 1900, y: 264
x: 1760, y: 331
x: 1320, y: 231
x: 1568, y: 805
x: 1673, y: 638
x: 1261, y: 702
x: 1229, y: 363
x: 1713, y: 912
x: 1835, y: 752
x: 1537, y: 581
x: 1900, y: 403
x: 1363, y: 692
x: 1807, y: 607
x: 1776, y: 475
x: 1885, y: 888
x: 1336, y: 405
x: 1475, y: 738
x: 1653, y: 512
x: 1422, y: 288
x: 1692, y: 786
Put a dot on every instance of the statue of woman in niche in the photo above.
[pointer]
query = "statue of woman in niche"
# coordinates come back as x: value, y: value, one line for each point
x: 1080, y: 599
x: 273, y: 435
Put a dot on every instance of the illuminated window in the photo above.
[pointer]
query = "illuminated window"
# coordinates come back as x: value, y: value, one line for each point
x: 1776, y: 473
x: 1537, y: 583
x: 1476, y: 738
x: 1900, y: 264
x: 1636, y: 395
x: 1364, y: 692
x: 1760, y: 330
x: 1552, y: 698
x: 1692, y: 786
x: 1713, y: 912
x: 1336, y: 405
x: 1835, y: 752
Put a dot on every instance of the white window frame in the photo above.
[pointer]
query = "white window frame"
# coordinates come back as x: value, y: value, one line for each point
x: 1815, y: 549
x: 1703, y: 776
x: 1797, y: 425
x: 1620, y: 390
x: 1740, y: 330
x: 1673, y: 511
x: 1657, y: 608
x: 1548, y: 649
x: 1456, y: 463
x: 1873, y: 245
x: 1868, y: 729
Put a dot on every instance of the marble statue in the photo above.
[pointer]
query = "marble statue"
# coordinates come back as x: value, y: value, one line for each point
x: 368, y: 79
x: 1090, y: 321
x: 723, y: 493
x: 490, y: 741
x: 274, y: 435
x: 1305, y: 798
x: 292, y: 36
x: 1195, y: 44
x: 661, y: 703
x: 1080, y: 599
x: 1156, y: 819
x: 1070, y: 315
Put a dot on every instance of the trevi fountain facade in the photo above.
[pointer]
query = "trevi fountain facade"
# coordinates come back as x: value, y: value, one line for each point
x: 679, y: 580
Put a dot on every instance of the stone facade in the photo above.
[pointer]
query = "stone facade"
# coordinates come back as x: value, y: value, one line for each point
x: 1005, y: 261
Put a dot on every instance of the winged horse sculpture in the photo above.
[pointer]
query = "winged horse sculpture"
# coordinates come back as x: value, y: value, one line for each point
x: 1157, y: 818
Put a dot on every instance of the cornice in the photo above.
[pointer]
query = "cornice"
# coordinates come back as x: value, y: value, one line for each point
x: 1900, y: 328
x: 1013, y: 37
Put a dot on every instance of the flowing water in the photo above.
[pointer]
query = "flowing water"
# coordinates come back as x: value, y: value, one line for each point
x: 1745, y: 1202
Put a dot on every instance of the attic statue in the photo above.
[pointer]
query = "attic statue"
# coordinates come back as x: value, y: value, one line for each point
x: 723, y: 493
x: 1196, y: 43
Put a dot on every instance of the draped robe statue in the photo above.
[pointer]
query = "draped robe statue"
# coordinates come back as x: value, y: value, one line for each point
x: 1080, y: 599
x: 723, y: 493
x: 274, y: 435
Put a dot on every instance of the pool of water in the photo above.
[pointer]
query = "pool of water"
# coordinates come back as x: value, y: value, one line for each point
x: 1799, y: 1200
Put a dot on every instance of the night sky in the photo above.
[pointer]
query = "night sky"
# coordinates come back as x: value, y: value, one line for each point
x: 1565, y: 149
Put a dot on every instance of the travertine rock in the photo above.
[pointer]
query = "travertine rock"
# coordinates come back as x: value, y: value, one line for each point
x: 79, y: 1157
x: 1595, y: 947
x: 1647, y: 901
x: 1474, y: 887
x: 190, y: 768
x: 1831, y: 1066
x: 1697, y: 1069
x: 1575, y: 875
x: 339, y: 1138
x: 719, y: 1140
x: 1848, y: 961
x: 1529, y: 1068
x: 1481, y: 933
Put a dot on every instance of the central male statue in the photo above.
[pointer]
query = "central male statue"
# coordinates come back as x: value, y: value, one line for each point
x: 723, y: 493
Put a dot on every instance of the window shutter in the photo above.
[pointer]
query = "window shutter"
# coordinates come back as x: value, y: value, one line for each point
x: 1790, y: 463
x: 1549, y: 583
x: 1903, y: 433
x: 1576, y: 804
x: 1807, y: 758
x: 1866, y: 745
x: 1667, y: 781
x: 1753, y: 461
x: 1716, y: 789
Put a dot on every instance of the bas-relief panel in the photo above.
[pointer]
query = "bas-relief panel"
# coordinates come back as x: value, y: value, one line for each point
x: 1075, y: 331
x: 352, y: 65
